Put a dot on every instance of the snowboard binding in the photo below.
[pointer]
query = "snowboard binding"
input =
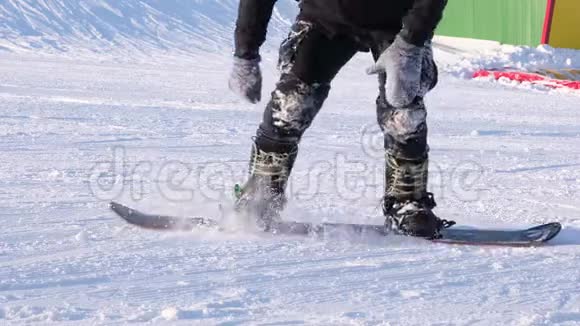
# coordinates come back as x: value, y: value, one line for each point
x: 407, y: 206
x: 414, y: 217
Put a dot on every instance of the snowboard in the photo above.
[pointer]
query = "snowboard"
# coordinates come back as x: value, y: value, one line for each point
x: 455, y: 235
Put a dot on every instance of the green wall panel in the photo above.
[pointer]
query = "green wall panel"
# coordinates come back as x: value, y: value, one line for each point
x: 507, y: 21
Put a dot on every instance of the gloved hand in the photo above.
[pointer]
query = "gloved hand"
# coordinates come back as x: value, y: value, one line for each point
x: 246, y: 79
x: 403, y: 63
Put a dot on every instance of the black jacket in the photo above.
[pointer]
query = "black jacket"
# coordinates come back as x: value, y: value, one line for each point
x: 414, y: 20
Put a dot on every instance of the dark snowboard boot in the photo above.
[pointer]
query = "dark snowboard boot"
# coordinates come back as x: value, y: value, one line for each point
x: 407, y: 205
x: 262, y: 196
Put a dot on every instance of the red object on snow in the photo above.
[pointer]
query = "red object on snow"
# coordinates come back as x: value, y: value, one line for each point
x: 529, y: 77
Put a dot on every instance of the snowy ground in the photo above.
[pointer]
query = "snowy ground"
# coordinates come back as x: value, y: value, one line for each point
x: 170, y: 138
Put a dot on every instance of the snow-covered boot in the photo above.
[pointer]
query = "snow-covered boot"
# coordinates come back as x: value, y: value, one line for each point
x: 407, y: 205
x: 262, y: 196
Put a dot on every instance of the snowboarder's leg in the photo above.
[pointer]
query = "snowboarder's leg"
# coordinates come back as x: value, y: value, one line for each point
x: 406, y: 204
x: 309, y: 60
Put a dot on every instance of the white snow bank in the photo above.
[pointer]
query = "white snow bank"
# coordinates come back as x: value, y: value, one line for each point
x: 462, y: 57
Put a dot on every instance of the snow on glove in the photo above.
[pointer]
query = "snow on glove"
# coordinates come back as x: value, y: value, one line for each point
x: 246, y: 79
x: 429, y: 73
x: 402, y: 62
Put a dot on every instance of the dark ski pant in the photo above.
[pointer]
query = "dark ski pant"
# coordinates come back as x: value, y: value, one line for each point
x: 309, y: 60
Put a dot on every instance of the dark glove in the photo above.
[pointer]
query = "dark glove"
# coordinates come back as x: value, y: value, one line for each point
x: 246, y: 79
x: 403, y: 63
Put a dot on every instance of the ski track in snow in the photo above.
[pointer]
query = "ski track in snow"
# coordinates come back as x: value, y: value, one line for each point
x: 143, y: 116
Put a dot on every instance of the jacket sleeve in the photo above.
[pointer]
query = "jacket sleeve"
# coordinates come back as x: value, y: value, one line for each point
x: 251, y: 27
x: 420, y: 22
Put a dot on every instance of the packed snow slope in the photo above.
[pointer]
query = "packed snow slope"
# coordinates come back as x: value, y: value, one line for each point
x: 171, y: 139
x: 138, y: 26
x: 84, y: 126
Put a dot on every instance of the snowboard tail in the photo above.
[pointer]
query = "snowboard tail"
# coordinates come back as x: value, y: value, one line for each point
x: 523, y: 237
x: 160, y: 222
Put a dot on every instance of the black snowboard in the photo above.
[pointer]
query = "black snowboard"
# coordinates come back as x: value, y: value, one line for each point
x: 523, y: 237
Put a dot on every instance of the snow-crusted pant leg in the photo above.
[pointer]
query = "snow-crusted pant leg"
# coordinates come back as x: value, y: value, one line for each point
x: 405, y: 128
x: 309, y: 60
x: 291, y: 110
